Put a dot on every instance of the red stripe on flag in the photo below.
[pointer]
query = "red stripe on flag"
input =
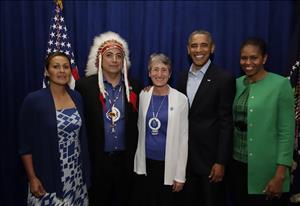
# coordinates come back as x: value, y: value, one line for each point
x: 75, y: 73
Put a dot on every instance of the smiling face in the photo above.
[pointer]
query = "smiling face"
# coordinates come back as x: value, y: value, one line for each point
x: 252, y: 61
x: 58, y: 70
x: 200, y: 48
x: 159, y: 74
x: 112, y: 61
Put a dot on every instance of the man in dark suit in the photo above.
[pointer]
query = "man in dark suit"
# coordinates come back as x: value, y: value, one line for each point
x: 210, y: 91
x: 110, y: 101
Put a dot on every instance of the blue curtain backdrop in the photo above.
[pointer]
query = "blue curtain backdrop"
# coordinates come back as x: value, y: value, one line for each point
x: 152, y: 26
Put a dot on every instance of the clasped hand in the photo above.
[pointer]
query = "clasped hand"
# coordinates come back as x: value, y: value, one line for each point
x: 36, y: 187
x: 216, y: 173
x: 274, y: 188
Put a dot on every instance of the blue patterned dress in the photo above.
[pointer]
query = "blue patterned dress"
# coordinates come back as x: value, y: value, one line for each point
x: 74, y: 189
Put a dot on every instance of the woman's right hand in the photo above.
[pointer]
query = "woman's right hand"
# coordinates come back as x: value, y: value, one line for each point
x: 36, y: 187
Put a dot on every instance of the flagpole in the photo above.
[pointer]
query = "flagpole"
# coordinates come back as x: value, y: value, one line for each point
x: 58, y: 40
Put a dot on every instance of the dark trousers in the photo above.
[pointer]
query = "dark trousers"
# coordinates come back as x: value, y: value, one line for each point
x: 114, y: 186
x: 152, y: 191
x: 239, y: 190
x: 199, y: 191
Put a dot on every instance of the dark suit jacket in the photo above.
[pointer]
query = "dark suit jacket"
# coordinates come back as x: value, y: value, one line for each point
x: 88, y: 87
x: 210, y: 120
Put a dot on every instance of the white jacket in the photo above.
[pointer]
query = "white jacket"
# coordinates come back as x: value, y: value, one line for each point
x: 177, y: 136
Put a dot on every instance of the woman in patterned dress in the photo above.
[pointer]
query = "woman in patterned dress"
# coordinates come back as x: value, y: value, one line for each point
x: 52, y: 140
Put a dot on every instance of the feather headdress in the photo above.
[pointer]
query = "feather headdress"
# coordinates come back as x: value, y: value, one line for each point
x: 103, y: 43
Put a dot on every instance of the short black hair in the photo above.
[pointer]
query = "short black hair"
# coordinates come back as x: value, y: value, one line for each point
x: 258, y: 42
x: 200, y: 31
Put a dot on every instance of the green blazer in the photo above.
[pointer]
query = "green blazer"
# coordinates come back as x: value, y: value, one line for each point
x: 270, y: 129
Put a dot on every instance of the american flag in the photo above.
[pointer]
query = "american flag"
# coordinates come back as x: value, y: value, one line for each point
x: 294, y: 77
x: 59, y: 41
x: 295, y: 81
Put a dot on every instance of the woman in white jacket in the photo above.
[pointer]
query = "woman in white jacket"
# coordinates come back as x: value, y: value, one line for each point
x: 163, y: 135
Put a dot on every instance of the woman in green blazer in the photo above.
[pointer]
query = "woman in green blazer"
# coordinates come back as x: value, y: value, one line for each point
x: 263, y: 113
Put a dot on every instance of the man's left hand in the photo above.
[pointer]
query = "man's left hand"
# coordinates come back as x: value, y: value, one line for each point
x: 216, y: 173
